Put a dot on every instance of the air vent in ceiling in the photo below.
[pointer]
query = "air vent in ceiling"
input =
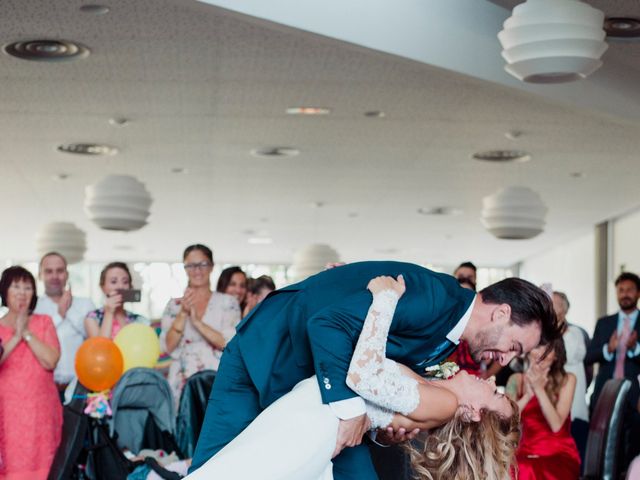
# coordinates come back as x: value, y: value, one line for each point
x: 272, y: 152
x: 502, y: 156
x: 47, y: 50
x: 88, y: 149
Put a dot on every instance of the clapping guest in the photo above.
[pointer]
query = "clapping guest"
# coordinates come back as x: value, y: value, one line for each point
x: 30, y: 410
x: 257, y: 290
x: 576, y: 349
x: 112, y: 317
x: 544, y: 393
x: 197, y: 327
x: 233, y: 281
x: 67, y: 312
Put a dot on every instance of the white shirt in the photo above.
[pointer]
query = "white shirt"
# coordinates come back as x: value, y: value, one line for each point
x: 70, y: 330
x: 576, y: 351
x: 353, y: 407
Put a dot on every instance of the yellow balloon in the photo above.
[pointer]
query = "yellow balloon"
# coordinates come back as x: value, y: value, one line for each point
x: 139, y: 345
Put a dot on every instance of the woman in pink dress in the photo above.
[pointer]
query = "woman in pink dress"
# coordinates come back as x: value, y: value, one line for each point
x: 30, y: 409
x: 544, y: 394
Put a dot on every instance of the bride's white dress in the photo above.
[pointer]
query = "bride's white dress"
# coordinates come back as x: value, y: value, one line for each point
x: 294, y: 438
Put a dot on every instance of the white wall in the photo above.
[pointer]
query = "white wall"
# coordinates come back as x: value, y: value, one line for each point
x: 626, y: 251
x: 570, y: 268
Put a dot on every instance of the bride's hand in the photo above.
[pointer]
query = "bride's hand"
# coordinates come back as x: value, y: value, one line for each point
x: 382, y: 283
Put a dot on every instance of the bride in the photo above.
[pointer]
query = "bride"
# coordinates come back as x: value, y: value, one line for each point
x: 471, y: 430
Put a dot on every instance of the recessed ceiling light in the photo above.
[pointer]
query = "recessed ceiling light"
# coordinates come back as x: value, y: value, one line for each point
x: 622, y: 27
x: 95, y: 9
x: 46, y: 50
x: 513, y: 134
x: 272, y: 152
x: 88, y: 149
x: 60, y: 176
x: 119, y: 121
x: 178, y: 170
x: 260, y: 241
x: 439, y: 211
x: 375, y: 114
x: 502, y: 156
x: 308, y: 111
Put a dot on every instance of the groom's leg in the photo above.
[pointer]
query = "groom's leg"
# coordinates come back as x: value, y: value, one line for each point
x: 354, y: 464
x: 232, y: 406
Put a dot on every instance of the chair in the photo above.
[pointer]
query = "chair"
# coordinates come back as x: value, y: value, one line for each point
x: 605, y: 432
x: 193, y: 405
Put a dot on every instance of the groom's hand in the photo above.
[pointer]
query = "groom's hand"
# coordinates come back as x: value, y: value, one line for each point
x: 350, y: 432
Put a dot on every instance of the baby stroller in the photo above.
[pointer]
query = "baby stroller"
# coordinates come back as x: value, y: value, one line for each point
x: 193, y: 405
x: 89, y: 448
x: 143, y: 412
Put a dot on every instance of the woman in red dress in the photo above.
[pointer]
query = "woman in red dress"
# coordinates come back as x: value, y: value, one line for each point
x: 30, y: 409
x: 544, y: 394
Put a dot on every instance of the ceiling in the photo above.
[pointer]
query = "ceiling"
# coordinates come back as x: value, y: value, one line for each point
x: 203, y: 86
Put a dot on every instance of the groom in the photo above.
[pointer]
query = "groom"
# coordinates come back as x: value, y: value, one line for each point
x: 312, y: 327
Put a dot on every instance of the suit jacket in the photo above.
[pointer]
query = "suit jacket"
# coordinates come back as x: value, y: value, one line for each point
x: 604, y: 329
x: 314, y: 325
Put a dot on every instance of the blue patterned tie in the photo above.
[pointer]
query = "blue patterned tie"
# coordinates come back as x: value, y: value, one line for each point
x: 435, y: 355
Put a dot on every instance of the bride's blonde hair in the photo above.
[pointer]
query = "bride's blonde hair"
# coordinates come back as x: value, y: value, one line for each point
x: 466, y: 450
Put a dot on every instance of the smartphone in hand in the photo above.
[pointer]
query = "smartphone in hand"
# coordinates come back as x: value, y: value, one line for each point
x: 131, y: 295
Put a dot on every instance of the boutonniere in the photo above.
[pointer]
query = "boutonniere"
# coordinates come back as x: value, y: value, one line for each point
x: 444, y: 370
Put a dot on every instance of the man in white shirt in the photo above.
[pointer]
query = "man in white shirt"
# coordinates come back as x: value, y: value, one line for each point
x: 576, y: 350
x: 66, y: 311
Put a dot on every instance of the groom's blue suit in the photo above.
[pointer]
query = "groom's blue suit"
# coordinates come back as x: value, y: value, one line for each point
x: 312, y: 327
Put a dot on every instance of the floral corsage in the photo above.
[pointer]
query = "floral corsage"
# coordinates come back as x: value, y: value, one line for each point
x: 443, y: 370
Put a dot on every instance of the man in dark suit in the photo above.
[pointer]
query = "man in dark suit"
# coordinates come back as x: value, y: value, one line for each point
x: 312, y: 328
x: 616, y: 349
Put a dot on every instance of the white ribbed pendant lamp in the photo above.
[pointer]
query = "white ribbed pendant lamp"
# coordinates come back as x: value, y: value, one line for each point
x: 553, y: 41
x: 514, y: 213
x: 312, y: 259
x: 118, y: 202
x: 64, y: 238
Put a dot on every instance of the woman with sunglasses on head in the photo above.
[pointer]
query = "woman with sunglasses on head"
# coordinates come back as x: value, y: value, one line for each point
x: 197, y: 327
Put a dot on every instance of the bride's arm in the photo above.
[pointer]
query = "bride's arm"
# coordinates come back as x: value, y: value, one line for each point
x: 384, y: 382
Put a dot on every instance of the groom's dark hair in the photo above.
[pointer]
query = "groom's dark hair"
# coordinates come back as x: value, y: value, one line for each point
x: 528, y: 304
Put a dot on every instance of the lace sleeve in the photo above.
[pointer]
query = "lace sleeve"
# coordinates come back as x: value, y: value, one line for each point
x: 371, y: 375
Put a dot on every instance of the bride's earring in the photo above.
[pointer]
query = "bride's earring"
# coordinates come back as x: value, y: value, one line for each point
x: 469, y: 414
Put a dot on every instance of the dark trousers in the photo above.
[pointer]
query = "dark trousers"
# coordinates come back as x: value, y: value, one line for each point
x: 232, y: 406
x: 580, y: 432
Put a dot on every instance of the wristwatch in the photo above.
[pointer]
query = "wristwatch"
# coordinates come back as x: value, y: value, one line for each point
x: 26, y: 336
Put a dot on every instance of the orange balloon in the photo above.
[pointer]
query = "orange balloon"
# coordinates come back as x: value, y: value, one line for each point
x: 99, y: 364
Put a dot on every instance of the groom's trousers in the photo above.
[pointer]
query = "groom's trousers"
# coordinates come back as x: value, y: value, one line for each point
x: 234, y: 403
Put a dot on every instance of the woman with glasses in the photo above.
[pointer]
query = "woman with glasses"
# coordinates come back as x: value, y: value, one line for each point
x: 197, y: 327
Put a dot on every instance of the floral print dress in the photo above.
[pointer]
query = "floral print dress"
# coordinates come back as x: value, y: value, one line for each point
x: 193, y: 353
